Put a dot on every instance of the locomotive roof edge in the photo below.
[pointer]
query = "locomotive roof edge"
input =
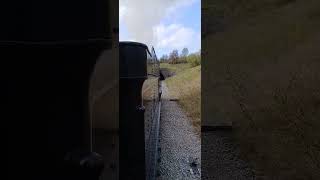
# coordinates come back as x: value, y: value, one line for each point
x: 134, y: 43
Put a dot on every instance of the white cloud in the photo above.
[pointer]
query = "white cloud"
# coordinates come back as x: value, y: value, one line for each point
x: 142, y: 19
x: 122, y: 12
x: 176, y: 36
x: 141, y: 16
x: 178, y: 4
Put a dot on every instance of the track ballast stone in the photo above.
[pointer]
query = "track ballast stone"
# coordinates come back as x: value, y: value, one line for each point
x: 181, y: 149
x: 180, y: 145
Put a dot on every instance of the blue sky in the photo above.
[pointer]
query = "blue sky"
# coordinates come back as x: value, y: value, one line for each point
x: 174, y: 24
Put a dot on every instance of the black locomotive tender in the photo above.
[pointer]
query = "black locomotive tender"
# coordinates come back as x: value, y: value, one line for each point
x: 67, y: 87
x: 139, y: 110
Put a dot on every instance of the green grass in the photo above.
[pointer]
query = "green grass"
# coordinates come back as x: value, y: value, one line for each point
x: 175, y: 68
x: 186, y: 86
x: 263, y: 75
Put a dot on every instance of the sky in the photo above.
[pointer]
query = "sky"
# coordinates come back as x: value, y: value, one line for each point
x: 164, y: 24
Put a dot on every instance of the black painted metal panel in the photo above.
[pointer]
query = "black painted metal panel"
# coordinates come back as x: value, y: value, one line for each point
x: 54, y: 20
x: 49, y: 92
x: 48, y: 50
x: 132, y: 60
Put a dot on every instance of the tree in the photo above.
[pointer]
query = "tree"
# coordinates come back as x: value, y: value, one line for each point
x: 194, y: 59
x: 164, y: 58
x: 174, y: 57
x: 184, y: 52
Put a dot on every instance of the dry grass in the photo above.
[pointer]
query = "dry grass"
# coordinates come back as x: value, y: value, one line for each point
x: 263, y: 74
x: 186, y: 86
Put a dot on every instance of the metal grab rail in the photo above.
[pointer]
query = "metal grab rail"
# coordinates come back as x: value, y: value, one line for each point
x: 152, y: 145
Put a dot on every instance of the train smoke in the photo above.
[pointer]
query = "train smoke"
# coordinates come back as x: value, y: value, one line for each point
x: 141, y: 17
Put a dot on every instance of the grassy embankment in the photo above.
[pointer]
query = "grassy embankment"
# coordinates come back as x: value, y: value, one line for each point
x: 175, y: 68
x: 185, y: 86
x: 263, y: 73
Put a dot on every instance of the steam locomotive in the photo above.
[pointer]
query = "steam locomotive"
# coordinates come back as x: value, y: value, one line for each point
x: 84, y: 106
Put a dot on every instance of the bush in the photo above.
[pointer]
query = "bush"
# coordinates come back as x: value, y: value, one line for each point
x: 194, y: 60
x: 179, y: 60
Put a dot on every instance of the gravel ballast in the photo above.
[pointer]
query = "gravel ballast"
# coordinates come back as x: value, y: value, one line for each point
x: 184, y: 156
x: 180, y: 145
x: 220, y: 158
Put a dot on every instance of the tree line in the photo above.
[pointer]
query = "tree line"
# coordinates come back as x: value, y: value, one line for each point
x: 184, y: 57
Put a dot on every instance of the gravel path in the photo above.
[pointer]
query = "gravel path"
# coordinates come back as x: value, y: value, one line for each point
x: 180, y: 145
x: 221, y: 158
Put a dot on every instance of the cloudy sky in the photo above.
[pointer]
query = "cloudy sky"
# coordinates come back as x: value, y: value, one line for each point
x: 164, y: 24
